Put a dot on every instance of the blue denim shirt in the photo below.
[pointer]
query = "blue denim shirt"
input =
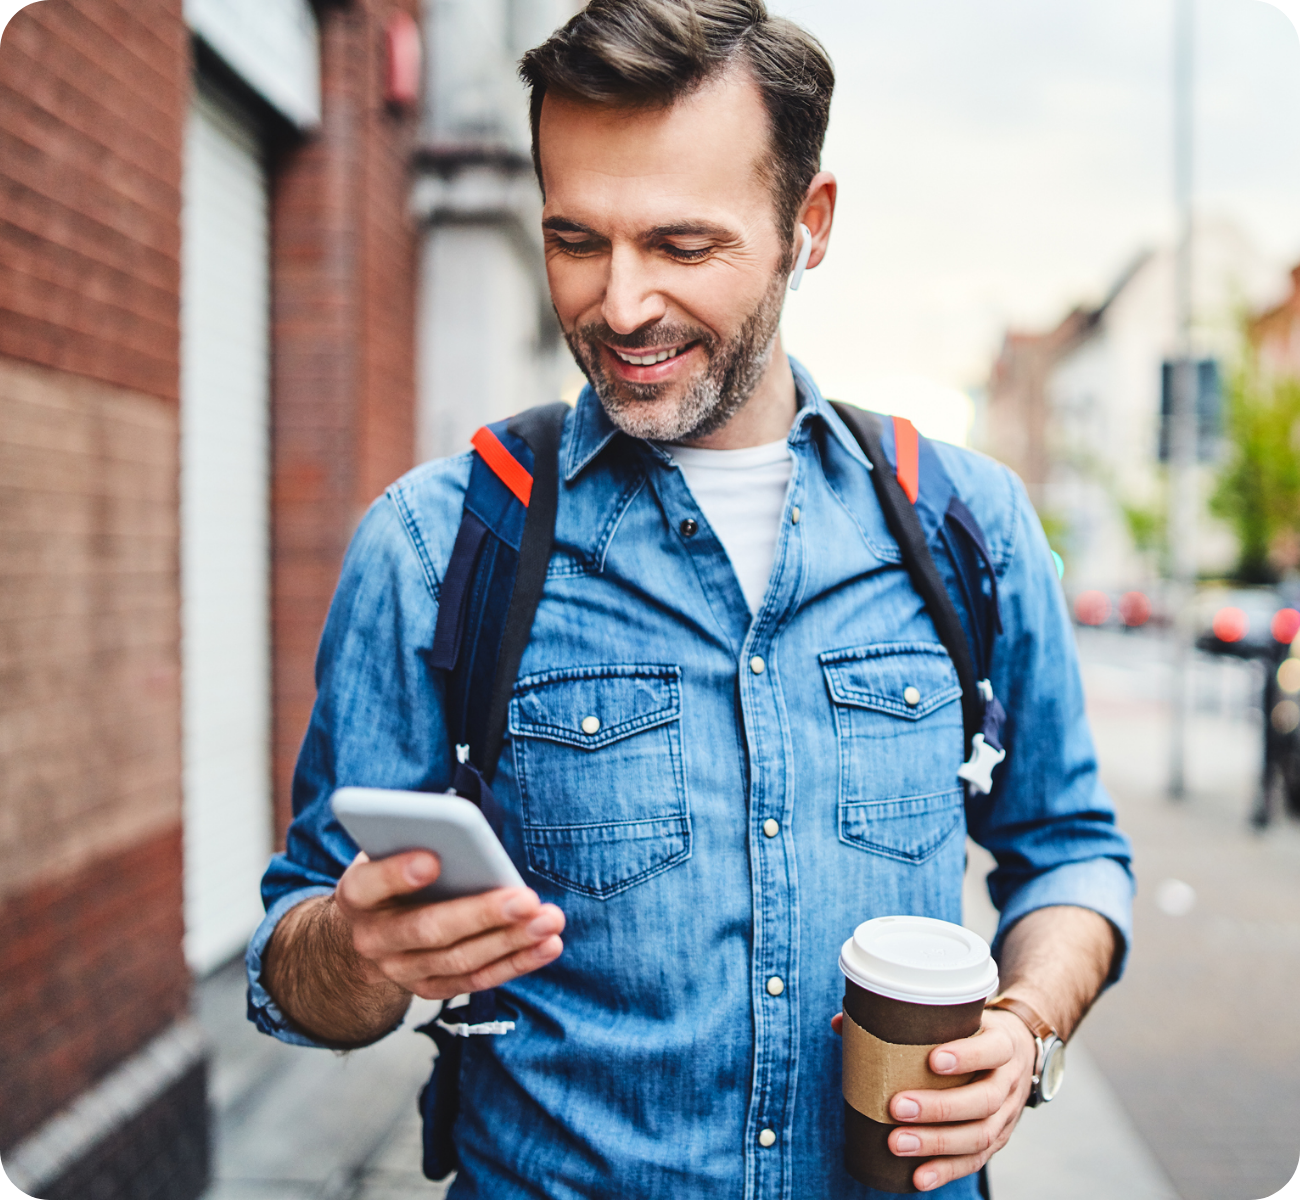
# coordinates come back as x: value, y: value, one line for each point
x: 648, y: 1058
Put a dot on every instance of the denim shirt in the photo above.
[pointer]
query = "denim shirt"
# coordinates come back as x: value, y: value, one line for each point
x: 757, y: 786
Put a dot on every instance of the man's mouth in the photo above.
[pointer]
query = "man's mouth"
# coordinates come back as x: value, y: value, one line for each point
x: 647, y: 358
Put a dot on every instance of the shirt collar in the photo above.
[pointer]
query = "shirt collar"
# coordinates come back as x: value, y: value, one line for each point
x: 593, y: 430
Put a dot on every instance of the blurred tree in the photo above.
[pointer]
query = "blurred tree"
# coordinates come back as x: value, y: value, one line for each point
x: 1258, y: 487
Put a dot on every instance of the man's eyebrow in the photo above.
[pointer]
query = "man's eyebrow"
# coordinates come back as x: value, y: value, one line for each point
x: 564, y: 225
x: 690, y: 229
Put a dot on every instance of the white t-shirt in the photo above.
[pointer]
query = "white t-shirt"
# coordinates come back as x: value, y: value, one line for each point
x: 742, y: 494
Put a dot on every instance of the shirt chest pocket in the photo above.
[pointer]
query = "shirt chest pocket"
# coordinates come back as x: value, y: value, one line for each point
x: 598, y: 757
x: 898, y: 723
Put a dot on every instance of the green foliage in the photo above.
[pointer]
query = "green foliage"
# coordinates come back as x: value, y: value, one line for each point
x: 1258, y: 488
x: 1146, y: 525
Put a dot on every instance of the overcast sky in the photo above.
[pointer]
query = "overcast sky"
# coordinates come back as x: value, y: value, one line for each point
x: 1001, y: 160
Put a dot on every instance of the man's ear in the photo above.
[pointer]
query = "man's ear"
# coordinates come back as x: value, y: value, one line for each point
x: 818, y: 213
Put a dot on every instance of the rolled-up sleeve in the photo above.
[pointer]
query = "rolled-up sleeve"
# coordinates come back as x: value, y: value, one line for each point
x: 1049, y: 822
x: 377, y: 722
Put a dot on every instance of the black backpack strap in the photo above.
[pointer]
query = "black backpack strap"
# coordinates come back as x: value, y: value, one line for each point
x: 490, y: 592
x: 905, y: 525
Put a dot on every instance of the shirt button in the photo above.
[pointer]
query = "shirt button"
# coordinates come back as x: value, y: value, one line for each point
x: 912, y: 696
x: 795, y: 514
x: 689, y: 527
x: 767, y: 1138
x: 775, y: 985
x: 771, y: 827
x: 590, y: 725
x: 757, y: 665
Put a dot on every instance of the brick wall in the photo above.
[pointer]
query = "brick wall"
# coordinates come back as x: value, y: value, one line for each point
x: 92, y: 99
x: 91, y: 96
x: 344, y: 267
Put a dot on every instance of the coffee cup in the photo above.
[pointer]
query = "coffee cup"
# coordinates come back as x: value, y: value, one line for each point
x: 910, y: 984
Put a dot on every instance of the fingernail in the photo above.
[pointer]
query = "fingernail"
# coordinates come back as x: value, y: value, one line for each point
x: 905, y: 1110
x: 518, y: 907
x: 540, y: 927
x: 420, y: 868
x: 944, y: 1061
x: 928, y: 1179
x: 907, y: 1143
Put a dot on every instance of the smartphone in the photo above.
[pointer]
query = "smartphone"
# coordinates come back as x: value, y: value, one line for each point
x: 384, y: 822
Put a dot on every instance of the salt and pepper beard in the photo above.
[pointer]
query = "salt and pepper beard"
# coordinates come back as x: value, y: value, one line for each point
x: 731, y: 374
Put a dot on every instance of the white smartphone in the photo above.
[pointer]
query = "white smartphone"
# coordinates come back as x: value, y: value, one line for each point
x: 384, y: 822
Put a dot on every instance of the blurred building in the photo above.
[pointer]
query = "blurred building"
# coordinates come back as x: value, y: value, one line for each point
x: 208, y: 280
x: 489, y: 344
x: 1276, y: 333
x: 1081, y: 411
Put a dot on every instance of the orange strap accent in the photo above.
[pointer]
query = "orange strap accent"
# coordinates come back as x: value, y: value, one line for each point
x: 504, y: 465
x: 907, y: 452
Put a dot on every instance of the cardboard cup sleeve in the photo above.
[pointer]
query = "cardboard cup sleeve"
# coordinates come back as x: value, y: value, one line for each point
x: 875, y: 1071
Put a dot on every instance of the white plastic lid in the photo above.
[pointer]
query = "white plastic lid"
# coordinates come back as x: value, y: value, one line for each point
x: 920, y: 960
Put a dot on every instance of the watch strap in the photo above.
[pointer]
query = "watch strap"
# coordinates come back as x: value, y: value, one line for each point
x: 1040, y: 1028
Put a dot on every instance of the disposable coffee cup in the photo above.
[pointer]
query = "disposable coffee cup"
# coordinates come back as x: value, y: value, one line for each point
x: 910, y: 984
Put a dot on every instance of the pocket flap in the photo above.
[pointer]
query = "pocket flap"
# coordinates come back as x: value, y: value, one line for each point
x: 590, y: 707
x: 886, y: 677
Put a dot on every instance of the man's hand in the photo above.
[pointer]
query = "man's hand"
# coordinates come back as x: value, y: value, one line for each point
x: 344, y: 967
x: 441, y: 950
x: 1056, y: 960
x: 965, y: 1125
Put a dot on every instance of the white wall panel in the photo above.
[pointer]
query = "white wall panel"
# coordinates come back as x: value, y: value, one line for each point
x: 224, y: 532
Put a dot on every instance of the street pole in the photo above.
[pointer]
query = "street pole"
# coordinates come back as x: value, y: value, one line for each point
x: 1183, y: 492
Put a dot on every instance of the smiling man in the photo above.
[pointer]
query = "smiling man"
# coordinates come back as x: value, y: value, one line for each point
x: 707, y: 778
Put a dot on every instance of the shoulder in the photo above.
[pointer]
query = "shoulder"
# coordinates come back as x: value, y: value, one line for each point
x: 993, y: 493
x: 417, y: 516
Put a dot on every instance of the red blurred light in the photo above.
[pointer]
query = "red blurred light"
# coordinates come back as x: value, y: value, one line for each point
x: 1230, y: 625
x: 1092, y: 608
x: 1286, y: 624
x: 1134, y: 609
x: 405, y: 61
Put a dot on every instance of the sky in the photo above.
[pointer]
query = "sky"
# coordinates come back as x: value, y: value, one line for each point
x: 1003, y: 160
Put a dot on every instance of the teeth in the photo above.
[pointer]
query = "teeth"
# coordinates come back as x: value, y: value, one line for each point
x: 646, y: 360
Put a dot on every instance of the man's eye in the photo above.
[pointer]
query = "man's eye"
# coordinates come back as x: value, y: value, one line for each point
x: 579, y: 248
x: 682, y: 254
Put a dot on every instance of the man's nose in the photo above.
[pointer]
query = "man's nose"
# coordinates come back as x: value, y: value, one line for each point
x: 632, y: 295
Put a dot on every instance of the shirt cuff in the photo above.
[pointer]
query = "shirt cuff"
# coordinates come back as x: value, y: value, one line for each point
x: 1100, y: 884
x: 262, y: 1009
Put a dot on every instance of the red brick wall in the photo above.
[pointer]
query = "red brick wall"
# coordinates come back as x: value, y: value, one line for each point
x: 345, y: 259
x: 91, y: 965
x: 92, y: 103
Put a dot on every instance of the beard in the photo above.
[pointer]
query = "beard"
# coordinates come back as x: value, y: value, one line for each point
x: 732, y: 371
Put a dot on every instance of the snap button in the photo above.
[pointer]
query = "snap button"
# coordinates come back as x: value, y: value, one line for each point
x: 795, y: 514
x: 590, y: 725
x: 689, y: 527
x: 775, y: 985
x: 771, y: 827
x: 767, y: 1138
x: 912, y: 696
x: 757, y: 665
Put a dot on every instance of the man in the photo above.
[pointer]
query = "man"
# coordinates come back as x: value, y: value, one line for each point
x: 724, y: 610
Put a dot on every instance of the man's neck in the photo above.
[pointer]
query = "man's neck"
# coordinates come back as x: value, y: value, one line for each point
x: 766, y: 416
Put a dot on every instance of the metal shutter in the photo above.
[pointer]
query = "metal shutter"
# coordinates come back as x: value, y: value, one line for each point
x: 225, y: 636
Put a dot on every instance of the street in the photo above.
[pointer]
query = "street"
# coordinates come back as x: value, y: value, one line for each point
x: 1181, y: 1085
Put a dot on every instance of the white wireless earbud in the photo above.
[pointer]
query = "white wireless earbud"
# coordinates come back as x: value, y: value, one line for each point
x: 801, y: 263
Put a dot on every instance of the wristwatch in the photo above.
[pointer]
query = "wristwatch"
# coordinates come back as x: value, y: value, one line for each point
x: 1049, y: 1065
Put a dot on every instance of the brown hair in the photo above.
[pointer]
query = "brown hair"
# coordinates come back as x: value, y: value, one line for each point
x: 654, y: 52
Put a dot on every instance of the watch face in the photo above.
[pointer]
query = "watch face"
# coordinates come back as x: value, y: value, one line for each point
x: 1053, y: 1070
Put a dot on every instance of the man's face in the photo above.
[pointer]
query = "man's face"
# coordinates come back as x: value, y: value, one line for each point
x: 666, y: 267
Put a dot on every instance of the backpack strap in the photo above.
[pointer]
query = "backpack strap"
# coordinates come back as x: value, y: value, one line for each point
x: 915, y: 492
x: 489, y: 596
x: 495, y: 577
